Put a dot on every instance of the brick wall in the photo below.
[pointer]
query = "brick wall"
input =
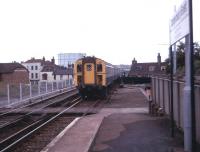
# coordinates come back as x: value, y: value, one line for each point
x: 18, y: 76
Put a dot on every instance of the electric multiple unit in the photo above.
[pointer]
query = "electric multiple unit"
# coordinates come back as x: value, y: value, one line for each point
x: 92, y: 76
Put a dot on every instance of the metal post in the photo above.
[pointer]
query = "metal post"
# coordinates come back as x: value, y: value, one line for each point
x: 65, y: 81
x: 174, y: 58
x: 163, y: 94
x: 62, y: 84
x: 154, y: 90
x: 46, y: 87
x: 30, y: 90
x: 52, y: 87
x: 38, y: 88
x: 171, y: 93
x: 189, y: 103
x: 56, y: 85
x: 192, y: 78
x: 20, y: 91
x: 8, y: 91
x: 159, y: 92
x: 68, y: 80
x: 189, y: 109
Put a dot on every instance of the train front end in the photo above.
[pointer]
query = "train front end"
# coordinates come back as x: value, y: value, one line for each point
x: 90, y: 77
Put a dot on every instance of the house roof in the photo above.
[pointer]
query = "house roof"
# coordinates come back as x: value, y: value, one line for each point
x: 42, y: 61
x: 10, y: 67
x: 144, y: 68
x: 57, y: 70
x: 48, y: 68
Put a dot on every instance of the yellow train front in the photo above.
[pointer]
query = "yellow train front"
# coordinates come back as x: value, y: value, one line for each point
x: 93, y: 76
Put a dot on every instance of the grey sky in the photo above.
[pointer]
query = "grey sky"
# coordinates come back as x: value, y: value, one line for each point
x: 114, y: 30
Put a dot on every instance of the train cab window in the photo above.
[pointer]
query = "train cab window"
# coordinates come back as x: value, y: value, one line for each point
x: 99, y: 68
x: 79, y: 68
x: 89, y: 67
x: 79, y: 80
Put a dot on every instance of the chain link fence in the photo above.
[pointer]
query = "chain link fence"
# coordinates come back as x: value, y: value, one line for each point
x: 13, y: 94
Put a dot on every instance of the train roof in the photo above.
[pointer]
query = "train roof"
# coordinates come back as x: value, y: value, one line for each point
x: 92, y: 59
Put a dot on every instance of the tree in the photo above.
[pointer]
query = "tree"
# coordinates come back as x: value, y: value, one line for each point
x: 180, y: 55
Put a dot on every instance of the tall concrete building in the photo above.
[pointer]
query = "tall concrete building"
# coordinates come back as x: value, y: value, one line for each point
x: 68, y: 59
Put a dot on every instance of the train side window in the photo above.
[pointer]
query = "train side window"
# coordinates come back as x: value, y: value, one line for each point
x: 79, y: 68
x: 99, y: 68
x: 89, y: 67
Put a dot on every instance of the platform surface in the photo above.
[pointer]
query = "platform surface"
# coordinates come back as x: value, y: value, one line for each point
x: 122, y: 125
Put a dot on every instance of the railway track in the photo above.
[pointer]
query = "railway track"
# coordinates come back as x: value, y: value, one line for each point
x: 13, y: 116
x: 13, y: 141
x: 43, y: 128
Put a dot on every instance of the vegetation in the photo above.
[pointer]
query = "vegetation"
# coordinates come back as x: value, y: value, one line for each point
x: 180, y: 55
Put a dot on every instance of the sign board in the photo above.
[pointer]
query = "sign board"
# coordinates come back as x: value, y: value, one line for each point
x: 179, y: 24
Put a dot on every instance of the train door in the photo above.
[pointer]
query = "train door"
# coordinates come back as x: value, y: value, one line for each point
x: 89, y: 75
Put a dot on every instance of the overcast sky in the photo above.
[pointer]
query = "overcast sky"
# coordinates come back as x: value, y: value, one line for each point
x: 114, y: 30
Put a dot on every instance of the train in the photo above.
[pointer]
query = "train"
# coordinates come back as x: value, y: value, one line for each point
x: 93, y: 76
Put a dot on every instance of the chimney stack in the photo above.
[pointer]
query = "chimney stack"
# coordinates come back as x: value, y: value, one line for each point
x: 159, y: 58
x: 134, y: 61
x: 43, y: 58
x: 53, y: 60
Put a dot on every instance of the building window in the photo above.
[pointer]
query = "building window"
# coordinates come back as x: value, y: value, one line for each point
x: 89, y: 67
x: 138, y: 68
x: 44, y: 76
x: 36, y: 67
x: 163, y: 68
x: 36, y: 75
x: 32, y: 76
x: 151, y: 68
x: 99, y: 68
x: 31, y: 67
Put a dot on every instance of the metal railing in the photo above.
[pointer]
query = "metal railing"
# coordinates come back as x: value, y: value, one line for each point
x: 14, y: 94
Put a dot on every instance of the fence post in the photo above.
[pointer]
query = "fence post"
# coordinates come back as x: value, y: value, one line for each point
x: 46, y: 87
x: 65, y: 83
x: 30, y: 90
x: 69, y: 81
x: 52, y: 87
x: 56, y: 85
x: 62, y: 84
x: 8, y: 91
x: 20, y: 91
x: 38, y: 88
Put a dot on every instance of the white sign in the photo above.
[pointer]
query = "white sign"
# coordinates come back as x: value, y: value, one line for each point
x: 179, y: 24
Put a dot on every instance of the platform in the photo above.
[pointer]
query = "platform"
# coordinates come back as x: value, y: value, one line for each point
x: 122, y: 125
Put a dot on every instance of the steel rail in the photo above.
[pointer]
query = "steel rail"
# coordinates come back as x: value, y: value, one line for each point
x: 11, y: 141
x: 26, y: 115
x: 93, y: 105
